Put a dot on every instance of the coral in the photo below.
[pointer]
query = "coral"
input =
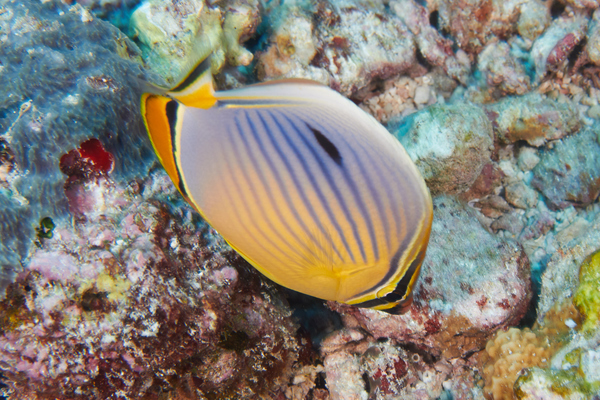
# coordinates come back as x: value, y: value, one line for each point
x: 449, y: 144
x: 587, y: 296
x: 176, y: 34
x: 436, y: 49
x: 569, y: 173
x: 141, y: 298
x: 532, y: 118
x: 348, y: 46
x: 511, y: 351
x: 520, y: 195
x: 536, y: 383
x: 533, y: 19
x: 59, y: 89
x: 471, y: 283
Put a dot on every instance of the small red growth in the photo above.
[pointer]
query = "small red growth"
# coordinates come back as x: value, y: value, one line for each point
x: 400, y: 367
x: 433, y: 325
x: 384, y: 384
x: 428, y: 280
x: 92, y: 150
x: 482, y: 302
x: 504, y: 304
x: 340, y: 43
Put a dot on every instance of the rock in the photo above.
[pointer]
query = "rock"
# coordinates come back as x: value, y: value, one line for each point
x: 533, y: 19
x: 450, y: 144
x: 348, y: 59
x: 532, y: 118
x: 174, y: 35
x: 592, y: 46
x: 58, y: 90
x: 569, y: 173
x: 561, y: 277
x: 471, y: 284
x: 509, y: 222
x: 520, y: 195
x: 474, y: 23
x: 492, y: 206
x: 551, y: 50
x: 501, y: 70
x: 139, y: 296
x: 488, y: 182
x: 435, y: 48
x: 528, y: 158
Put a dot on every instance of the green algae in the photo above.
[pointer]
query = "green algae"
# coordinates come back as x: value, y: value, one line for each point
x: 587, y: 296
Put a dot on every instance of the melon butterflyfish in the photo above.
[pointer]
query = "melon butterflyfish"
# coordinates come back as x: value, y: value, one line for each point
x: 308, y: 188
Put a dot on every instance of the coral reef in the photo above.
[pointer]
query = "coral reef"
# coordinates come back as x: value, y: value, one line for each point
x: 569, y: 173
x: 483, y: 286
x: 176, y: 34
x: 115, y: 288
x: 532, y: 118
x: 514, y: 350
x: 501, y: 70
x: 142, y: 299
x: 325, y: 45
x: 58, y: 90
x: 449, y: 144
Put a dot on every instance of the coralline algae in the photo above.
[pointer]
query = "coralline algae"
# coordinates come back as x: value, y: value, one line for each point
x: 115, y: 288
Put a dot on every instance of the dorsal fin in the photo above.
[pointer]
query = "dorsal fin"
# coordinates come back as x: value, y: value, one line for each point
x: 196, y: 89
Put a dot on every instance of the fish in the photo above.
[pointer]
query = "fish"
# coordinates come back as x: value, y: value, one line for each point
x: 307, y: 187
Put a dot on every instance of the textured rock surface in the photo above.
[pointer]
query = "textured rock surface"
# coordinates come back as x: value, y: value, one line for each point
x: 176, y: 34
x: 532, y: 118
x: 560, y: 278
x: 551, y: 50
x: 471, y: 284
x: 449, y: 144
x: 474, y: 23
x: 435, y: 48
x: 325, y: 44
x: 143, y: 299
x: 501, y: 70
x: 569, y: 173
x: 58, y: 90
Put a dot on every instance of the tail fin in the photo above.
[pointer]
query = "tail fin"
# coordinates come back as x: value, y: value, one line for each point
x: 196, y: 89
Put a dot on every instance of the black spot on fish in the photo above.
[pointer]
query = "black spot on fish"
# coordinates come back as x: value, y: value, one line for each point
x: 327, y: 145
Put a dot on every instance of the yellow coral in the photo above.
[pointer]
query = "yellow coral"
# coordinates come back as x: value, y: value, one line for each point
x: 587, y: 297
x: 510, y: 351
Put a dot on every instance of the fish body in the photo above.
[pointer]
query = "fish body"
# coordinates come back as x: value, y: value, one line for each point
x: 307, y: 187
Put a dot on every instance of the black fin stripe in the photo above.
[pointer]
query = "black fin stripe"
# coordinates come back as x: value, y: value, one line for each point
x: 171, y: 112
x: 192, y: 76
x: 400, y: 292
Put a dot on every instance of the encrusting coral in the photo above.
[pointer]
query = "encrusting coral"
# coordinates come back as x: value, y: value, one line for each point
x: 511, y: 351
x: 559, y: 356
